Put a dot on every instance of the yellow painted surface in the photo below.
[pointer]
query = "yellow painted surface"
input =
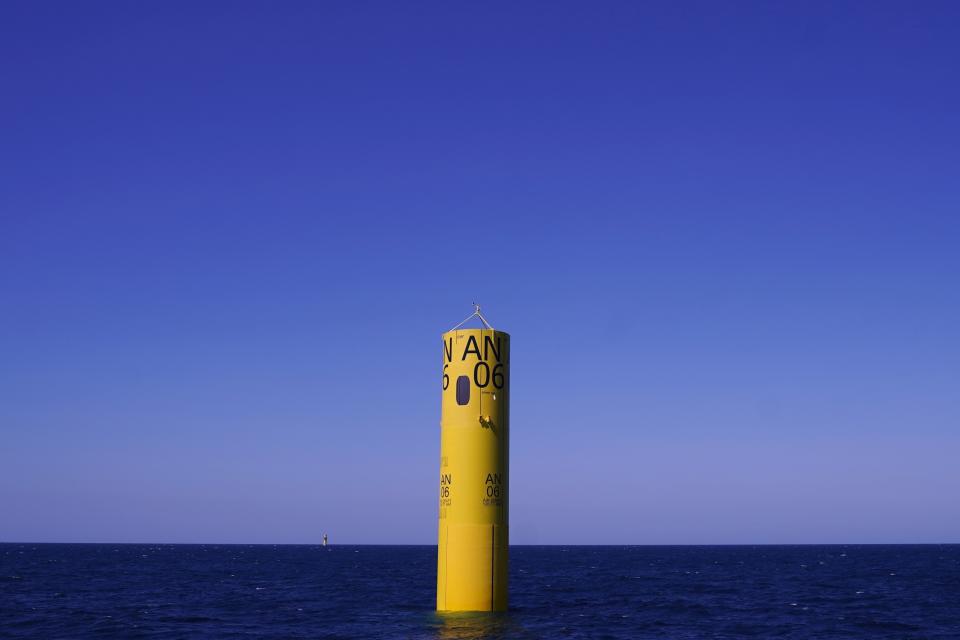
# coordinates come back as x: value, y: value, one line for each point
x: 474, y: 456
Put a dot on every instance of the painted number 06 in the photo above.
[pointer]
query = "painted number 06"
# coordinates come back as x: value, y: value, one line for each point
x: 497, y: 375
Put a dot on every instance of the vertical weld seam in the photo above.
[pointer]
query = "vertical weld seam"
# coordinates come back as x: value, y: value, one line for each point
x: 493, y: 563
x: 446, y: 566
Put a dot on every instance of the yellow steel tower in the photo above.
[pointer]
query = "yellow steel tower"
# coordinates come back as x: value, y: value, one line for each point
x: 474, y: 469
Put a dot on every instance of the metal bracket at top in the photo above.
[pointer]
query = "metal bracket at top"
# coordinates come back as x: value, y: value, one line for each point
x: 476, y: 313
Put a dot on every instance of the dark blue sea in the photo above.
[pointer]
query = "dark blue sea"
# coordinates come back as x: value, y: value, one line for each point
x: 261, y: 591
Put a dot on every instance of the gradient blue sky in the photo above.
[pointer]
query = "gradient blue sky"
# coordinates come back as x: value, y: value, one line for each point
x: 724, y: 238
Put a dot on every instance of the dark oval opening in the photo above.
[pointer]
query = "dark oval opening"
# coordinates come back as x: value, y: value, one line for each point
x: 463, y: 390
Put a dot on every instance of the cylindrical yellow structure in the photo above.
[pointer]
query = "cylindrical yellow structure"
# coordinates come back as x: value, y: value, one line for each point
x: 474, y: 471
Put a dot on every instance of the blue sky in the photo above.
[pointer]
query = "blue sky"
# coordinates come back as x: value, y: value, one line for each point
x: 723, y: 236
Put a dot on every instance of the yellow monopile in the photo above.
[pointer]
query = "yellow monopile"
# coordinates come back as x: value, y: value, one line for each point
x: 474, y: 469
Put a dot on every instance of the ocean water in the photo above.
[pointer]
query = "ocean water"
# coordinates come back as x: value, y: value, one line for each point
x: 261, y: 591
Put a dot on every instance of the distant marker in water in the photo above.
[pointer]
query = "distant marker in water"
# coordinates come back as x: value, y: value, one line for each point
x: 474, y: 466
x: 324, y: 539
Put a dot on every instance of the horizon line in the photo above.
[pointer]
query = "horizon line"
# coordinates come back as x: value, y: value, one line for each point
x: 417, y: 544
